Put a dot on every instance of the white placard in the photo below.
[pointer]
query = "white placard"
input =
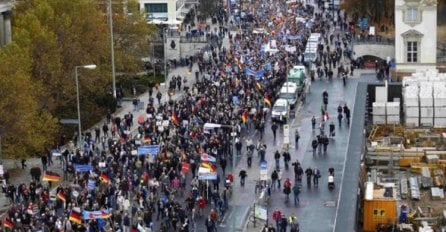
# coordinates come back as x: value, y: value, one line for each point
x: 134, y: 152
x: 102, y: 164
x: 286, y: 134
x: 263, y: 174
x: 371, y: 30
x: 1, y: 170
x: 261, y: 212
x: 56, y: 154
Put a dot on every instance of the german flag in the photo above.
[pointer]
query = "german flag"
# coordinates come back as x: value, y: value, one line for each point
x: 209, y: 166
x: 75, y: 217
x: 61, y: 196
x: 104, y: 178
x: 245, y: 117
x: 147, y: 139
x: 8, y: 224
x: 259, y: 86
x: 51, y: 176
x: 175, y: 119
x: 106, y: 214
x: 267, y: 100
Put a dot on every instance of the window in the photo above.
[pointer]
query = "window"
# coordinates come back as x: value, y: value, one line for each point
x: 411, y: 15
x: 156, y: 8
x: 412, y: 51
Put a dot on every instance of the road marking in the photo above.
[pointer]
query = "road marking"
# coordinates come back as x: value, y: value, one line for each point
x: 222, y: 224
x: 345, y: 162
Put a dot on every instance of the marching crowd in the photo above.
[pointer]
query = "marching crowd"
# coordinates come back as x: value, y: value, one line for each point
x: 119, y: 190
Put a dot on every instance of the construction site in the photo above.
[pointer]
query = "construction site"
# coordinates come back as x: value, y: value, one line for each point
x: 404, y: 160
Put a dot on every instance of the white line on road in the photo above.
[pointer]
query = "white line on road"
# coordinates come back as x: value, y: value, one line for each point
x: 345, y: 162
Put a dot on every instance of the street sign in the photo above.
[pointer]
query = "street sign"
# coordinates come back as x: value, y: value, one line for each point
x: 69, y: 121
x: 264, y: 170
x: 286, y: 134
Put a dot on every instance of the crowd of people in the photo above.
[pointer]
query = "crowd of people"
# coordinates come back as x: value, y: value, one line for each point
x: 109, y: 187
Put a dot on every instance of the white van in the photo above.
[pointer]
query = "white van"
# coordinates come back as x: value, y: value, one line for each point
x: 280, y: 111
x: 290, y: 92
x: 310, y: 54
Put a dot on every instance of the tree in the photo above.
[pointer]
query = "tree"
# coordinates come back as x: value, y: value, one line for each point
x: 378, y: 11
x: 61, y: 34
x: 25, y: 128
x: 207, y: 8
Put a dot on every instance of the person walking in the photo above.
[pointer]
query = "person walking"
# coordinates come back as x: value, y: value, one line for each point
x: 242, y: 174
x: 274, y: 178
x: 286, y: 159
x: 313, y: 122
x: 296, y: 192
x: 274, y: 129
x: 261, y: 150
x: 249, y: 157
x: 340, y: 119
x: 309, y: 173
x: 314, y: 144
x: 297, y: 171
x: 316, y: 176
x: 283, y: 224
x: 277, y: 159
x: 287, y: 189
x: 277, y: 217
x: 325, y: 143
x: 332, y: 130
x: 296, y: 138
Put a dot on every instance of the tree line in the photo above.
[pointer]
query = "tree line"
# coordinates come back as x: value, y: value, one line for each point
x: 37, y: 81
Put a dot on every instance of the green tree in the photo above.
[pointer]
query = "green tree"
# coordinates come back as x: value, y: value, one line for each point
x: 207, y: 8
x: 59, y: 35
x: 25, y: 127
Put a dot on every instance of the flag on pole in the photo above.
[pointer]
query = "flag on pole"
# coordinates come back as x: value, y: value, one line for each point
x: 175, y: 119
x: 147, y: 139
x: 245, y: 117
x: 8, y: 224
x: 61, y: 196
x: 258, y: 85
x: 267, y: 100
x: 185, y: 168
x: 209, y: 166
x: 51, y: 176
x: 104, y: 178
x: 75, y: 217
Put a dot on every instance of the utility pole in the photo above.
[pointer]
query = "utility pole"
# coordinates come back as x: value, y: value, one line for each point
x: 112, y: 47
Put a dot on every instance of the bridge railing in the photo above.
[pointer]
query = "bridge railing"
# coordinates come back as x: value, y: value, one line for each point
x: 373, y: 40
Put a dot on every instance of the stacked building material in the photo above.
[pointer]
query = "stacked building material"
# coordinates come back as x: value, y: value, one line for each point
x: 379, y: 112
x: 411, y: 105
x: 426, y: 104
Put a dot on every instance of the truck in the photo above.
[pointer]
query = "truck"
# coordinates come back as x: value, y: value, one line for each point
x: 297, y: 75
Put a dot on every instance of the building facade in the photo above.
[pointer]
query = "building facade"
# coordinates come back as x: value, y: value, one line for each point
x: 415, y: 35
x: 5, y: 22
x: 164, y: 11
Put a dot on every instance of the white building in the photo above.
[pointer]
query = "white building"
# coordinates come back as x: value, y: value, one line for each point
x: 5, y: 22
x: 164, y: 11
x: 415, y: 35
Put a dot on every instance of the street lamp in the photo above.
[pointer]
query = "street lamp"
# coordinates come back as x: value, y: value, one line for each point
x: 112, y: 48
x: 165, y: 54
x: 89, y: 66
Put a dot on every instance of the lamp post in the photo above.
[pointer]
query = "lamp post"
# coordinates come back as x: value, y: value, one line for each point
x: 112, y: 50
x: 165, y: 55
x: 89, y: 66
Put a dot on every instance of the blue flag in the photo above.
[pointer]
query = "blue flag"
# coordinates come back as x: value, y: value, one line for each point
x: 91, y: 184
